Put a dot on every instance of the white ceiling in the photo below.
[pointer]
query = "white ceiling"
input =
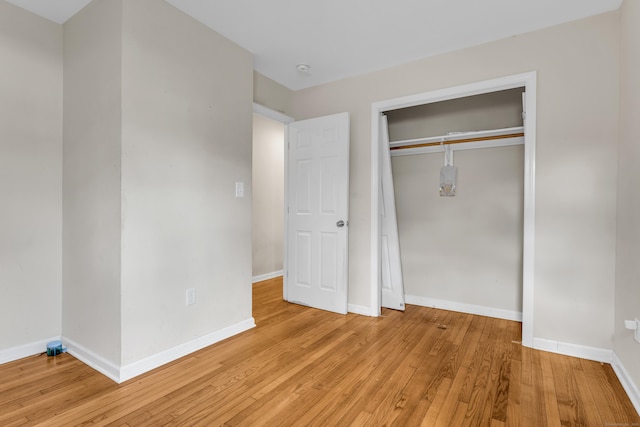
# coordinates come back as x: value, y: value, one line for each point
x: 341, y: 38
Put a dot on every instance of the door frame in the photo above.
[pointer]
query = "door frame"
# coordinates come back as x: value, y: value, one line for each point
x: 285, y: 120
x: 528, y: 81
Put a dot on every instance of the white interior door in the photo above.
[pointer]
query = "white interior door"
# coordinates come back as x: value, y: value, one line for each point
x: 318, y: 212
x: 392, y: 286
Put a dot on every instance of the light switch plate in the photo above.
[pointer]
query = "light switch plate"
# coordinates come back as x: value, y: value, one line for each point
x: 239, y: 189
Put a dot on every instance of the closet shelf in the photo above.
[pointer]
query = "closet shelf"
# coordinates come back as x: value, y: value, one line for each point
x: 459, y: 137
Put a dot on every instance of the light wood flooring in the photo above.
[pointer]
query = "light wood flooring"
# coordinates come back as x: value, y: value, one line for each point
x: 306, y: 367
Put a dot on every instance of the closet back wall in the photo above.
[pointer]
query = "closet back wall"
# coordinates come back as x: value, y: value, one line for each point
x: 465, y: 249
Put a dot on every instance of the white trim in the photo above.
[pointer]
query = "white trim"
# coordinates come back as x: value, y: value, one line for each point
x: 124, y: 373
x: 375, y: 290
x: 272, y: 114
x: 25, y: 350
x: 285, y: 226
x: 627, y: 382
x: 526, y: 80
x: 100, y: 364
x: 461, y: 307
x: 147, y: 364
x: 575, y: 350
x: 266, y: 276
x: 358, y: 309
x: 529, y: 222
x: 455, y: 92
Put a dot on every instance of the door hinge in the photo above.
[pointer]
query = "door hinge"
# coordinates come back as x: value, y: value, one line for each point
x: 524, y: 115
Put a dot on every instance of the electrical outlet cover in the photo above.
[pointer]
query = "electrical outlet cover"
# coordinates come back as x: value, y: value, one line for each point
x: 630, y: 324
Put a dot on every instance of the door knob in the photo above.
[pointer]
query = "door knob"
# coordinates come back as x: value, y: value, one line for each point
x: 340, y: 223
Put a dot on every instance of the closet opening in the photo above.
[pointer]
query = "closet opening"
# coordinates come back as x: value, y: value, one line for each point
x: 267, y: 192
x: 465, y: 244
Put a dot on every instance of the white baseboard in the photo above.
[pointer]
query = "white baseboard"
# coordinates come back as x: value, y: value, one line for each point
x: 599, y: 355
x: 140, y: 367
x: 627, y: 382
x: 464, y: 308
x: 86, y: 356
x: 359, y: 309
x: 267, y: 276
x: 124, y: 373
x: 582, y: 351
x: 25, y: 350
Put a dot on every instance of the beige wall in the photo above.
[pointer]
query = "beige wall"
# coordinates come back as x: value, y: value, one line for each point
x: 91, y: 177
x: 157, y: 132
x: 628, y: 247
x: 186, y: 141
x: 272, y: 94
x: 268, y: 195
x: 577, y: 65
x: 30, y: 178
x: 468, y: 248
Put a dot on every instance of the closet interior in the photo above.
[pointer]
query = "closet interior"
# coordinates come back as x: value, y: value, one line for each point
x: 461, y: 233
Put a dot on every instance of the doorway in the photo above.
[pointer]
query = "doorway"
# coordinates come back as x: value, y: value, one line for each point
x: 528, y: 82
x: 269, y: 133
x: 309, y: 244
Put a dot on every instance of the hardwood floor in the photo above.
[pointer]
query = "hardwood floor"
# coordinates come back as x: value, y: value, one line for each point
x: 305, y: 367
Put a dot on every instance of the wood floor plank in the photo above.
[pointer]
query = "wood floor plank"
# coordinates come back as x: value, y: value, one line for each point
x: 570, y: 405
x: 423, y: 389
x: 431, y: 417
x: 498, y: 385
x: 418, y: 383
x: 477, y: 344
x: 501, y: 401
x: 550, y: 398
x: 513, y: 400
x: 531, y: 399
x: 307, y: 367
x: 604, y: 388
x: 477, y: 373
x: 585, y: 395
x: 459, y: 414
x: 215, y: 411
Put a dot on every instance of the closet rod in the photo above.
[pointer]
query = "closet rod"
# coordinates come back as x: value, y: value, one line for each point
x: 460, y: 141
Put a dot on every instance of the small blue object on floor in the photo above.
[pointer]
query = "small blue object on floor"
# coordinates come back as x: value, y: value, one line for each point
x: 55, y: 347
